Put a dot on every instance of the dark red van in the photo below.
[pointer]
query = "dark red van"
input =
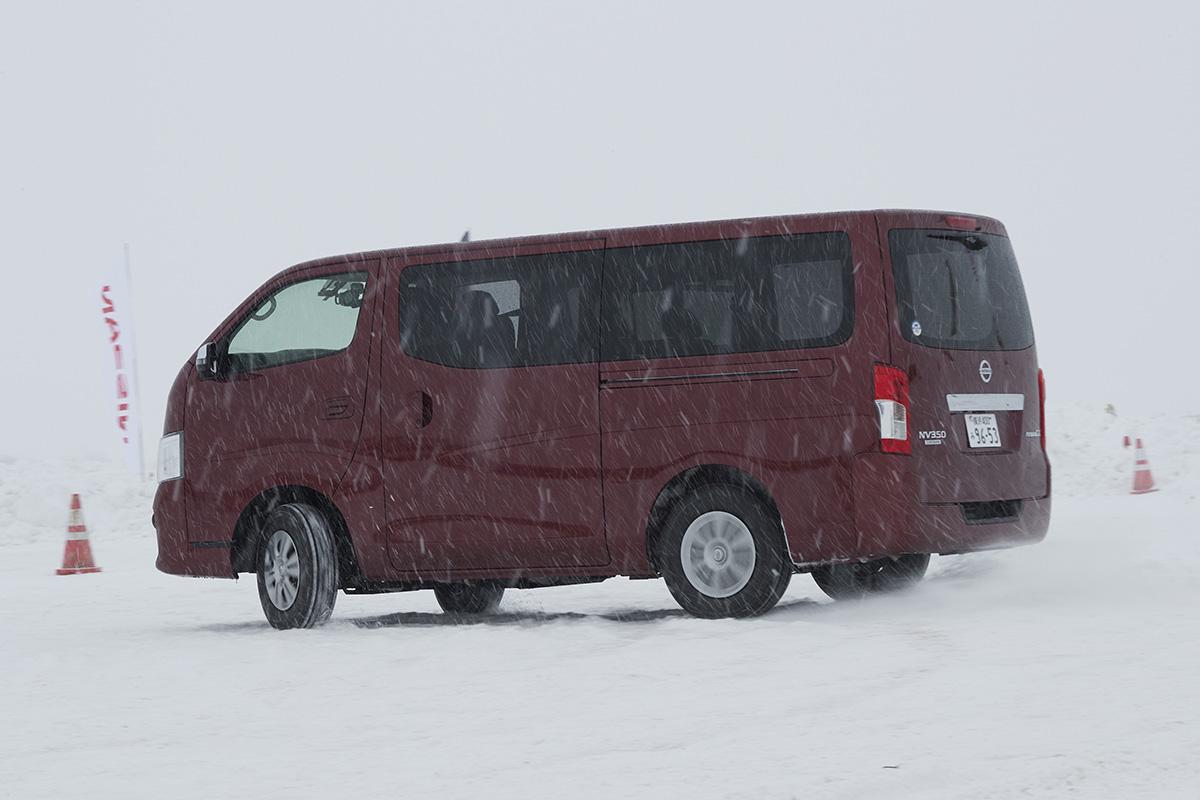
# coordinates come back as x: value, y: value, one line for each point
x: 721, y: 404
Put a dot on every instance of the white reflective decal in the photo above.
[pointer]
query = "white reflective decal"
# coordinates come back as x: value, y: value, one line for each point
x: 985, y: 402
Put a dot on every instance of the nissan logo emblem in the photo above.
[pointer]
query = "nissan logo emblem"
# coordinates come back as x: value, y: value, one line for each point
x: 985, y: 371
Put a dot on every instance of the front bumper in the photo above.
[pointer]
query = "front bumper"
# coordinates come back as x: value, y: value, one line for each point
x: 177, y: 554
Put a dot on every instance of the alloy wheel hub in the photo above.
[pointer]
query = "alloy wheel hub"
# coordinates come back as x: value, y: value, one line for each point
x: 717, y: 554
x: 281, y: 570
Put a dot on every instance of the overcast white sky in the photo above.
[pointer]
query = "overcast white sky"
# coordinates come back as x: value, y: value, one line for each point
x: 225, y: 141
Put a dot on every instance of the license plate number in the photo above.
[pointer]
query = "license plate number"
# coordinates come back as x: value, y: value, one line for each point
x: 982, y: 430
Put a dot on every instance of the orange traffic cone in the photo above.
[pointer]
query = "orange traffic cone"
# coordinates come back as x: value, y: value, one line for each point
x: 1143, y: 481
x: 77, y: 556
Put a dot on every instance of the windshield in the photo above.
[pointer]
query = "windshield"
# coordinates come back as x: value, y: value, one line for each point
x: 959, y: 291
x: 301, y: 321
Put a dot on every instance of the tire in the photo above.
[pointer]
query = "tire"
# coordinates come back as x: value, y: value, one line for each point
x: 476, y: 597
x: 858, y: 579
x: 297, y: 567
x: 722, y: 553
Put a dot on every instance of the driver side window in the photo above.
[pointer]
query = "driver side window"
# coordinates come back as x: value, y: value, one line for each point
x: 301, y: 321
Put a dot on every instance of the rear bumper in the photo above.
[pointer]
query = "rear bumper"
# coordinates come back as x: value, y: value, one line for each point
x: 947, y: 530
x: 890, y: 519
x: 177, y: 555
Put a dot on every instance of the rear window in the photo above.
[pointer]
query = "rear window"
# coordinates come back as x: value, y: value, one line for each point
x: 959, y: 291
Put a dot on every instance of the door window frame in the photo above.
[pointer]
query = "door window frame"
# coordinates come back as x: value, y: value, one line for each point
x: 448, y: 258
x: 224, y: 333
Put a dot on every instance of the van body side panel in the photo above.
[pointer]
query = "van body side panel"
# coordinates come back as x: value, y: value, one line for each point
x: 794, y: 420
x: 883, y: 506
x: 763, y: 426
x: 489, y: 468
x: 295, y: 424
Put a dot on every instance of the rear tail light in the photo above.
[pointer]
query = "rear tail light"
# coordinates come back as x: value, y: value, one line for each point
x: 891, y: 400
x: 1042, y: 407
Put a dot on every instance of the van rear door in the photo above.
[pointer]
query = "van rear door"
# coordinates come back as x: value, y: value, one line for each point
x: 961, y: 332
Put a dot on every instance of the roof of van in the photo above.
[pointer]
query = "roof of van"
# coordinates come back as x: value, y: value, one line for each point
x: 682, y: 231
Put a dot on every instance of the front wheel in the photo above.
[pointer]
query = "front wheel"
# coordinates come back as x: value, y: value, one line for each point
x: 858, y: 579
x: 297, y: 567
x: 723, y: 554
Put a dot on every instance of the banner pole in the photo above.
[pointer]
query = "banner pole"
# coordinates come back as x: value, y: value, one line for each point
x: 137, y: 381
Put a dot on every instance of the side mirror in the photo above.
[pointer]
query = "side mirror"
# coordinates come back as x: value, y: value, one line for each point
x: 207, y: 362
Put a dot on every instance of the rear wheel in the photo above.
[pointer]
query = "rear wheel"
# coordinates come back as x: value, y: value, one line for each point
x: 297, y: 567
x: 858, y: 579
x: 479, y: 597
x: 723, y: 554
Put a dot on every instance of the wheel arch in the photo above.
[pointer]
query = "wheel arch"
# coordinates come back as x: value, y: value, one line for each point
x: 256, y: 511
x: 688, y: 481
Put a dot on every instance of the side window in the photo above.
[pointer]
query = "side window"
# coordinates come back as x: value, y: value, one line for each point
x: 811, y: 297
x: 505, y: 312
x: 735, y: 296
x: 301, y: 321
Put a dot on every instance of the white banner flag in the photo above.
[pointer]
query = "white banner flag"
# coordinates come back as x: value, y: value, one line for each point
x: 117, y: 309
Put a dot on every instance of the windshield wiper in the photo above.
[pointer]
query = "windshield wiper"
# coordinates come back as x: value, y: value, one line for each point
x: 972, y: 243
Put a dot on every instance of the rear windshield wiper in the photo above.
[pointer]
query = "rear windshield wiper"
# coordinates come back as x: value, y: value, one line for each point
x: 972, y: 243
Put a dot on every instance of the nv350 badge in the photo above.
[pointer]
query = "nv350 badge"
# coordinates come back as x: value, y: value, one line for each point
x: 932, y: 438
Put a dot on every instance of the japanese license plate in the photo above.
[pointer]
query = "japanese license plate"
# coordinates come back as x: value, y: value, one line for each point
x: 982, y: 430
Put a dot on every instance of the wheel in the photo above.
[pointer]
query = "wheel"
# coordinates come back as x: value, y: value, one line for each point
x: 477, y: 597
x: 722, y: 553
x: 857, y: 579
x: 297, y: 567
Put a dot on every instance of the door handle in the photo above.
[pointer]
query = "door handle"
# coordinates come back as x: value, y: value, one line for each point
x: 424, y: 404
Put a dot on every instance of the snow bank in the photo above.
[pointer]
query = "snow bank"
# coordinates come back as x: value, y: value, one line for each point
x: 35, y: 496
x: 1086, y: 453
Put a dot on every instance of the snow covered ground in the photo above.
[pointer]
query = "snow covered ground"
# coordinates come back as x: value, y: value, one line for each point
x: 1072, y: 667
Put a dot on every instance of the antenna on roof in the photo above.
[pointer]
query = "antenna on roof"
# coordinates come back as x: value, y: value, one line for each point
x: 466, y: 235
